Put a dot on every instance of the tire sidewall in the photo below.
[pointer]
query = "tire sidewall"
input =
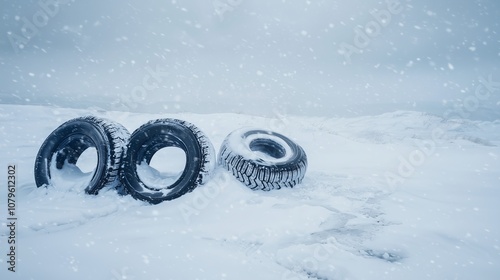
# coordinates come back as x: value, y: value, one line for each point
x: 263, y: 160
x: 297, y: 153
x: 53, y: 145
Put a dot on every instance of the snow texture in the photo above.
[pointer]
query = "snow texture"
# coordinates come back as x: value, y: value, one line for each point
x: 70, y: 177
x: 154, y: 179
x: 382, y: 199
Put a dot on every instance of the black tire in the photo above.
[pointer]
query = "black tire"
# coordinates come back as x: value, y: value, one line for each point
x: 155, y: 135
x: 263, y: 160
x: 67, y: 142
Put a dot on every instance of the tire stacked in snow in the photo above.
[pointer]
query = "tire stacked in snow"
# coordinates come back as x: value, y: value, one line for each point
x: 67, y: 142
x: 263, y: 160
x: 159, y: 134
x: 260, y: 159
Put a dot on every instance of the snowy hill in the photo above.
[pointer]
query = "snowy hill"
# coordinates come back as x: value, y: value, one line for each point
x: 383, y: 198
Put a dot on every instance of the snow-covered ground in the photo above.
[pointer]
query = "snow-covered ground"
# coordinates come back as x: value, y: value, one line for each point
x: 389, y: 193
x: 403, y: 195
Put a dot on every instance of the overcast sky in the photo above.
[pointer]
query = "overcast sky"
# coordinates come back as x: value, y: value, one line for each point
x: 253, y: 57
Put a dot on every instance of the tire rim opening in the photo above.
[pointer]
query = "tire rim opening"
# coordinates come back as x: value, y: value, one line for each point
x: 268, y: 148
x: 87, y: 162
x: 75, y: 176
x: 165, y: 168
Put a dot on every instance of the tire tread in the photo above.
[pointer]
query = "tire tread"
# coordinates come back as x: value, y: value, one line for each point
x: 258, y: 176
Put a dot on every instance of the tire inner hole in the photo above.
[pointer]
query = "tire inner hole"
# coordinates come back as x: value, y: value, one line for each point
x: 268, y: 147
x: 87, y: 162
x: 164, y: 169
x: 74, y: 166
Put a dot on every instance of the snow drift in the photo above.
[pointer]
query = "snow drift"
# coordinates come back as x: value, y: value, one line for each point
x: 435, y: 218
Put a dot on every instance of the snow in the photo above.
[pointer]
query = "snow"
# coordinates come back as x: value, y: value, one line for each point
x: 88, y: 160
x: 395, y: 103
x: 437, y: 220
x: 155, y: 179
x: 70, y: 177
x: 74, y: 178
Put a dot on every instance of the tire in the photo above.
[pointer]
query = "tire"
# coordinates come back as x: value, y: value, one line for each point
x: 65, y: 144
x: 263, y: 160
x: 155, y: 135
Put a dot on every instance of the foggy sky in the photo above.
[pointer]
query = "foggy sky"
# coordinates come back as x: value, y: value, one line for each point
x: 253, y: 57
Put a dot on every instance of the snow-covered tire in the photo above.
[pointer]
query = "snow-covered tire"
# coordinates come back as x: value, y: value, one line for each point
x: 67, y: 142
x: 263, y: 160
x: 158, y: 134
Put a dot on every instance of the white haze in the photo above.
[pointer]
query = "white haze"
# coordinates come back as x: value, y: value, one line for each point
x: 260, y: 57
